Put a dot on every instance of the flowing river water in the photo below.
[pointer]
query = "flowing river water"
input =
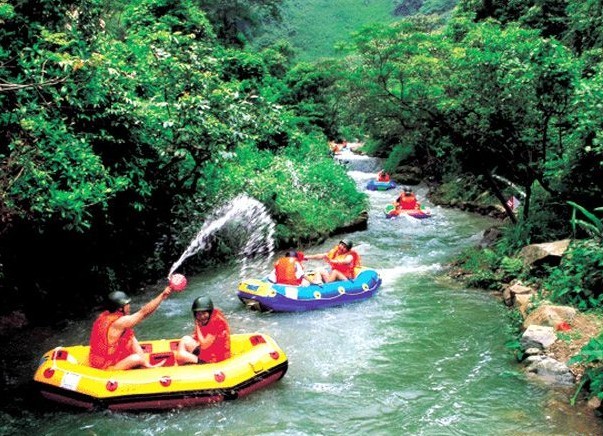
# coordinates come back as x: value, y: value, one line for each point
x: 425, y: 356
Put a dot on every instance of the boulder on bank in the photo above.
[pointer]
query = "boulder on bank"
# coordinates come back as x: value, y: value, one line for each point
x: 549, y: 253
x: 551, y: 316
x: 538, y: 336
x: 518, y: 295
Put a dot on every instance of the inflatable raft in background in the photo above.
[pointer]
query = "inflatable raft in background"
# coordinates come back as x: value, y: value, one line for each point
x: 64, y: 376
x: 375, y: 185
x: 392, y: 212
x: 264, y: 295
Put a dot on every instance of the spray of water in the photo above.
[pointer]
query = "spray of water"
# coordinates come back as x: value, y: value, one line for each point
x: 249, y: 215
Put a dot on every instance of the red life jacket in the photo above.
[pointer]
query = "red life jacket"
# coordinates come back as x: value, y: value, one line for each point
x: 383, y: 177
x: 348, y: 269
x: 102, y: 353
x: 407, y: 202
x: 284, y: 270
x: 217, y: 326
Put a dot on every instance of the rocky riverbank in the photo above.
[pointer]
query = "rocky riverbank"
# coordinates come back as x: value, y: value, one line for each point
x: 550, y: 334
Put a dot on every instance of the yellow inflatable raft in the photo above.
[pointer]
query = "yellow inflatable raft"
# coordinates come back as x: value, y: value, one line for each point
x: 64, y: 376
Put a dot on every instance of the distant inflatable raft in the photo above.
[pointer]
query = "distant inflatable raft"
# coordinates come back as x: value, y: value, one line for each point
x: 266, y: 296
x: 392, y: 212
x: 375, y: 185
x: 64, y: 376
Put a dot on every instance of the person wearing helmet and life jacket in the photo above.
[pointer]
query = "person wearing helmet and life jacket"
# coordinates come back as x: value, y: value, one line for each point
x: 382, y: 176
x: 113, y: 344
x: 210, y: 340
x: 342, y: 259
x: 407, y: 200
x: 288, y: 270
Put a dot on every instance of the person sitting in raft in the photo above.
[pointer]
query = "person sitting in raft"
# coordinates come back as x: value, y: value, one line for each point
x: 342, y: 259
x: 407, y: 200
x: 113, y: 344
x: 288, y: 270
x: 382, y: 176
x: 210, y: 340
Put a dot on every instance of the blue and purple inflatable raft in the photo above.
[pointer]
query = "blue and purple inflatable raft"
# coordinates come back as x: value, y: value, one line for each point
x: 375, y: 185
x: 264, y: 295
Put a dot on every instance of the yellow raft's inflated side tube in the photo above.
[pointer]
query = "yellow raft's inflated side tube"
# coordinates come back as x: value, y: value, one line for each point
x: 65, y: 377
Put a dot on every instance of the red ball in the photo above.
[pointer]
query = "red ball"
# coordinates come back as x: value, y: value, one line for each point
x: 177, y: 282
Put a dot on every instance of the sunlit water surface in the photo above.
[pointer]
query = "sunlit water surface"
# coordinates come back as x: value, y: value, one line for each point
x: 425, y: 356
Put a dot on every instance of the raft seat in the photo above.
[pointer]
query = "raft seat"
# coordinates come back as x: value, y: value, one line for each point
x: 164, y: 356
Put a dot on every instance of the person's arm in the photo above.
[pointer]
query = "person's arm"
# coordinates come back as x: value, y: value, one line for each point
x: 129, y: 321
x: 299, y: 270
x: 220, y: 328
x: 315, y: 256
x: 347, y: 259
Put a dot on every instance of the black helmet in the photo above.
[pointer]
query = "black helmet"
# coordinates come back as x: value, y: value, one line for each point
x: 203, y: 304
x: 117, y: 300
x: 347, y: 243
x: 291, y: 253
x: 407, y: 190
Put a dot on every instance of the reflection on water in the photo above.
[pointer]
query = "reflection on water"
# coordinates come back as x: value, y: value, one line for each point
x: 424, y: 356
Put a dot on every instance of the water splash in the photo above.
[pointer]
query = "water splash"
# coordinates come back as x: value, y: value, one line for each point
x: 250, y: 216
x: 358, y: 162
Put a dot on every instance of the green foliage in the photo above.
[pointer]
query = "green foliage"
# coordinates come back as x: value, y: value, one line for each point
x: 456, y: 188
x: 399, y: 154
x: 6, y: 11
x: 236, y: 21
x: 592, y: 356
x: 117, y: 134
x: 594, y: 225
x: 512, y: 267
x: 579, y: 278
x: 437, y: 6
x: 515, y: 319
x: 481, y: 267
x: 315, y: 27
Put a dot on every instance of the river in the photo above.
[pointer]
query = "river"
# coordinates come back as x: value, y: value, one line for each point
x: 424, y: 356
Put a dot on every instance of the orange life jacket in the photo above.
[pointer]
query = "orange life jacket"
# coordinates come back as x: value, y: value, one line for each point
x: 217, y: 326
x: 346, y: 268
x: 284, y: 270
x: 102, y: 353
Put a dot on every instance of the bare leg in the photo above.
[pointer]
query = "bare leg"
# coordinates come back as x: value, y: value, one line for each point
x: 335, y: 276
x: 184, y: 354
x: 131, y: 362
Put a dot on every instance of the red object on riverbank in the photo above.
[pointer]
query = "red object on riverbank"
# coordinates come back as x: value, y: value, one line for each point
x: 178, y: 282
x: 563, y: 327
